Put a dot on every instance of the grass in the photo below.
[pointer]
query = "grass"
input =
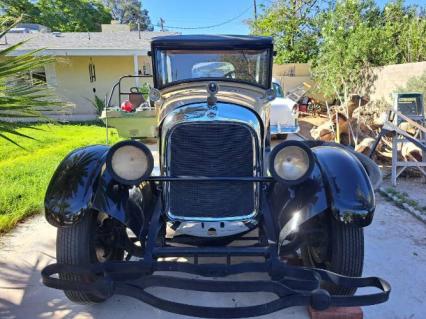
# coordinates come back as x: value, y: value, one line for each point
x: 25, y: 172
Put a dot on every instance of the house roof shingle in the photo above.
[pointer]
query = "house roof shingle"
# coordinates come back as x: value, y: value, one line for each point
x: 82, y: 43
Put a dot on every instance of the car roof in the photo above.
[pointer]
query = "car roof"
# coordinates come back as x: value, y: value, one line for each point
x: 212, y: 42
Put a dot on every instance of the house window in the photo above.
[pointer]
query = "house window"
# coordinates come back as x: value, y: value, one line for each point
x: 38, y: 75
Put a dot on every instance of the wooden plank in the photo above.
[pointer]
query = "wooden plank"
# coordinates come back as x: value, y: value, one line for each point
x: 337, y: 313
x: 414, y: 123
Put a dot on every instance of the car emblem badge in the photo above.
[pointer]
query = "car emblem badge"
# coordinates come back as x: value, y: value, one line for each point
x: 211, y: 114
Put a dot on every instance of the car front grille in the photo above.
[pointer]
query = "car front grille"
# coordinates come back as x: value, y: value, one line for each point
x: 211, y: 150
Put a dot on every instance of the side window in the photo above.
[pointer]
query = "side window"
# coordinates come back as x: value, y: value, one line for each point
x: 39, y: 75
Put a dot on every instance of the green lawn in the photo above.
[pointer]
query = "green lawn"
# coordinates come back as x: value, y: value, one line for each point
x: 25, y: 173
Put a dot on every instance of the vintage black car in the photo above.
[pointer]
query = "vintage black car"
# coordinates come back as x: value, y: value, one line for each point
x: 220, y: 191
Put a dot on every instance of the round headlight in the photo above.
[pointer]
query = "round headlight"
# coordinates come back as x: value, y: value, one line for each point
x: 129, y: 162
x: 291, y: 162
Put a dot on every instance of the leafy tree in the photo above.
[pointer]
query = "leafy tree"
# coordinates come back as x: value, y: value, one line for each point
x: 130, y: 12
x: 349, y: 48
x: 60, y: 15
x: 20, y: 97
x: 356, y: 36
x: 403, y: 33
x: 292, y: 25
x: 23, y: 9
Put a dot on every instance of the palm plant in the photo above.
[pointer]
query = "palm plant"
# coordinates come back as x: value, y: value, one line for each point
x: 20, y: 97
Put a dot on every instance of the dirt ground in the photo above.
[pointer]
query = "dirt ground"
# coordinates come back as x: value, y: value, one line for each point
x: 414, y: 187
x: 395, y: 249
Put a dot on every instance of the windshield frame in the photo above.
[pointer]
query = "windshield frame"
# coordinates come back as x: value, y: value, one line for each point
x: 160, y: 86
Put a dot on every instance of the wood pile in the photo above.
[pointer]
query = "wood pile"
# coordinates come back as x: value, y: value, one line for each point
x: 358, y: 124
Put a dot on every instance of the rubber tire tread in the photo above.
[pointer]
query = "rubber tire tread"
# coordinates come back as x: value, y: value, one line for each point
x: 74, y: 246
x: 347, y: 253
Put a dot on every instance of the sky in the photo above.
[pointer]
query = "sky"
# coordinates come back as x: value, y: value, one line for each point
x: 231, y: 14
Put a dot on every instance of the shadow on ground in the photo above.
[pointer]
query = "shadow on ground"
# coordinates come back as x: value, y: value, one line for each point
x: 31, y: 246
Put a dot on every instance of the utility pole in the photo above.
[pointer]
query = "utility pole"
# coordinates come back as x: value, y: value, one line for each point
x: 162, y: 24
x: 255, y: 10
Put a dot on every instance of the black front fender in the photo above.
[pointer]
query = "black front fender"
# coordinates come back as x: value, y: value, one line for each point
x: 72, y: 185
x: 349, y: 190
x: 307, y: 199
x: 131, y: 206
x: 81, y: 183
x: 338, y: 185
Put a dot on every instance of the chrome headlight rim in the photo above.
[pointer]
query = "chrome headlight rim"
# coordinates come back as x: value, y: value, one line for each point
x: 280, y: 147
x: 143, y: 148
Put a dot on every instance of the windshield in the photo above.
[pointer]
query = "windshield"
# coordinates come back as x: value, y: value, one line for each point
x: 251, y: 66
x: 278, y: 90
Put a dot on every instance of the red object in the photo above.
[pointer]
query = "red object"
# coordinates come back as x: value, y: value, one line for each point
x: 303, y: 108
x: 127, y: 106
x: 337, y: 313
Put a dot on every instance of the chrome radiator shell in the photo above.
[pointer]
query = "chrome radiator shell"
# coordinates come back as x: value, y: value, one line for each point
x: 208, y: 123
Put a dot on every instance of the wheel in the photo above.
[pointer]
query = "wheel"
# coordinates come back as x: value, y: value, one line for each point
x: 93, y: 239
x: 281, y: 136
x: 340, y: 250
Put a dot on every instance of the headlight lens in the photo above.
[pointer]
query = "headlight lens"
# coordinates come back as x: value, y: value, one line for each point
x: 129, y: 162
x: 291, y: 162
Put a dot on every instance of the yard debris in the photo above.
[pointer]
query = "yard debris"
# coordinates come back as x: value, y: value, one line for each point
x: 365, y: 146
x: 358, y: 123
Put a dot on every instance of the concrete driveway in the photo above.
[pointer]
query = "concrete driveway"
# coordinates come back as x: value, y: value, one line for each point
x: 395, y: 250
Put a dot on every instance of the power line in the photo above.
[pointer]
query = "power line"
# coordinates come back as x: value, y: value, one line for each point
x: 207, y: 26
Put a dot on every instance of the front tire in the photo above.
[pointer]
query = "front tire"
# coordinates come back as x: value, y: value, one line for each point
x: 84, y: 243
x: 342, y: 252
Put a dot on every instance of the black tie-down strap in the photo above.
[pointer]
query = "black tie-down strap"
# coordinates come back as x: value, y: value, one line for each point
x: 299, y: 286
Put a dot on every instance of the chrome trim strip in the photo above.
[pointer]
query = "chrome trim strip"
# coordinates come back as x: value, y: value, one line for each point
x: 281, y: 129
x: 241, y: 218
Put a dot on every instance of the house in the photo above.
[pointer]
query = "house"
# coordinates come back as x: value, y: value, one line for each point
x: 88, y: 63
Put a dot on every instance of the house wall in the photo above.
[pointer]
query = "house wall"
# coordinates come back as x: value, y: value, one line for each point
x: 69, y: 77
